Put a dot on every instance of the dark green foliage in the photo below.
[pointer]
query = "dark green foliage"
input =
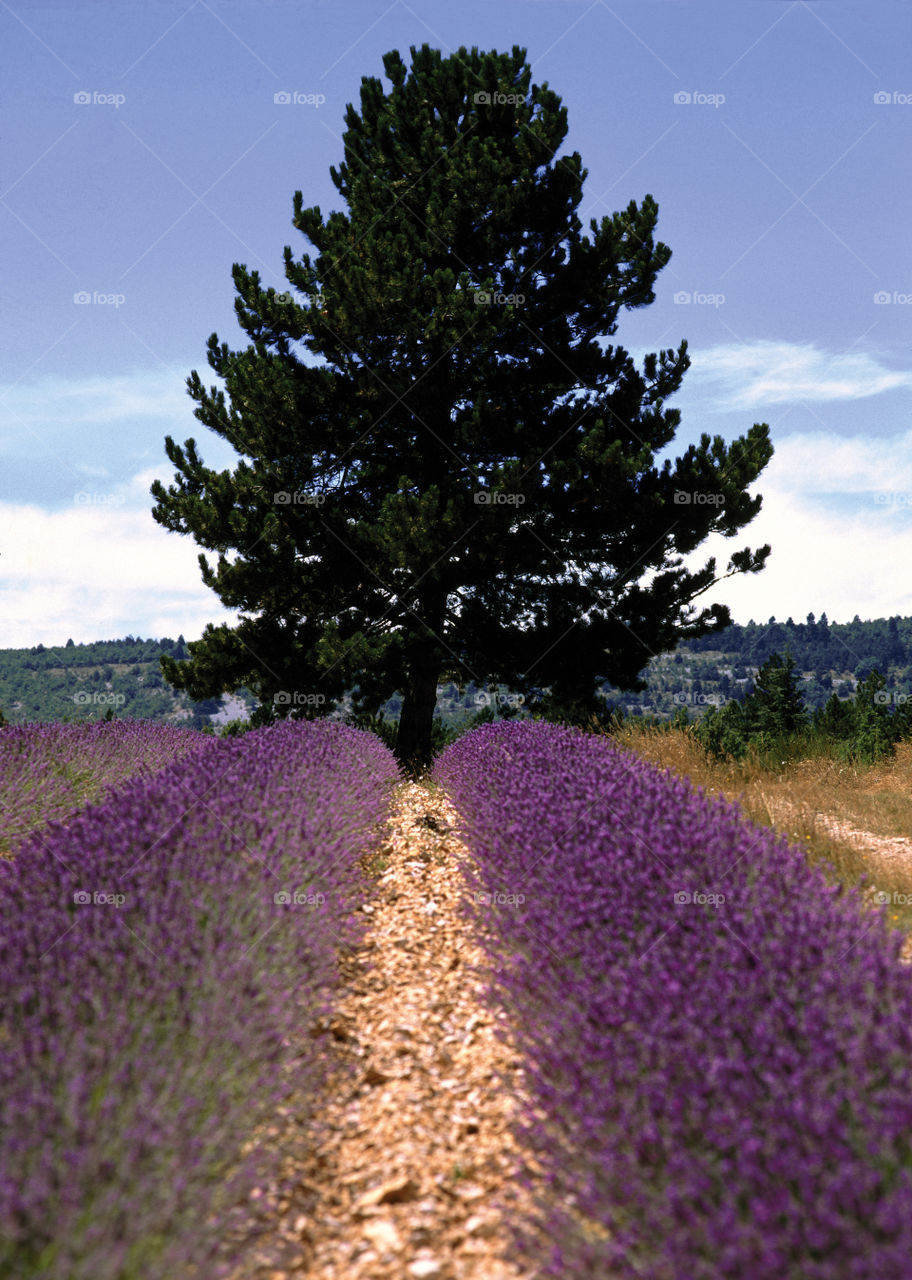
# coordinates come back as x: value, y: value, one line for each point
x: 769, y: 716
x: 461, y: 480
x: 863, y: 729
x: 775, y: 708
x: 818, y: 645
x: 773, y: 721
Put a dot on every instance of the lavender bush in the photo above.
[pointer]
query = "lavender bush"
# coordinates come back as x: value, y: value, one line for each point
x: 48, y: 771
x: 162, y: 958
x: 718, y: 1043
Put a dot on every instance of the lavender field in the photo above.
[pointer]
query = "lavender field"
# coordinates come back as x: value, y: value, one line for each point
x: 48, y: 771
x: 162, y: 955
x: 717, y: 1042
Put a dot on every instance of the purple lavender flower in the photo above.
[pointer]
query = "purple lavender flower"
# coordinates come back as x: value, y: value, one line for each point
x: 159, y: 992
x: 720, y: 1041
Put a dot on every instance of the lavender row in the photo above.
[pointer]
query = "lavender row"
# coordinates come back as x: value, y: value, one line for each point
x: 163, y: 958
x: 48, y: 771
x: 718, y: 1043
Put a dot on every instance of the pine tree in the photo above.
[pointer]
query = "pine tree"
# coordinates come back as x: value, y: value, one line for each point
x: 459, y: 480
x: 776, y: 707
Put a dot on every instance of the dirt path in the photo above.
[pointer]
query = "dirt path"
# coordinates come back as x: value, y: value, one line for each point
x: 414, y: 1152
x: 883, y: 854
x: 893, y: 851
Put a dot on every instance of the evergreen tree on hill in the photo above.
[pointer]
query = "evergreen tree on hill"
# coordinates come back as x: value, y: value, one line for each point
x: 459, y: 480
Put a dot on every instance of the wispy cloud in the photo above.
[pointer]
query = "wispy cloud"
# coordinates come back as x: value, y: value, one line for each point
x: 761, y: 373
x: 96, y: 401
x: 57, y: 431
x: 99, y: 569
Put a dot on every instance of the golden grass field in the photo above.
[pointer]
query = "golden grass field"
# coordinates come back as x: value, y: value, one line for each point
x: 868, y: 808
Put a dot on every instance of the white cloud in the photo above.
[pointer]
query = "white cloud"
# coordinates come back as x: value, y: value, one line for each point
x: 764, y: 372
x: 100, y: 569
x: 821, y: 462
x: 837, y: 513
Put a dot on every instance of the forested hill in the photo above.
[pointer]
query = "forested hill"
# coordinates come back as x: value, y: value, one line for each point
x: 85, y: 681
x: 78, y: 681
x: 817, y: 645
x: 829, y: 657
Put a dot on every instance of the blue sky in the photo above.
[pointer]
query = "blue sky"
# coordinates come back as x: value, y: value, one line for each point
x: 143, y: 152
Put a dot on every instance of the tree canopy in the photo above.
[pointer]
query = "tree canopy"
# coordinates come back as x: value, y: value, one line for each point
x: 445, y: 466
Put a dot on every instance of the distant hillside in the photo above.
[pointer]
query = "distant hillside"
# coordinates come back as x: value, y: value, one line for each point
x: 831, y: 657
x: 82, y: 681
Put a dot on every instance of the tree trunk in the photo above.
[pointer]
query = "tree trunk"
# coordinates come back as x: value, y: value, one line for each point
x: 416, y: 720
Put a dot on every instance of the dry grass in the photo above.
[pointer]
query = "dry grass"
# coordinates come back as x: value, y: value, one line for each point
x: 800, y: 797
